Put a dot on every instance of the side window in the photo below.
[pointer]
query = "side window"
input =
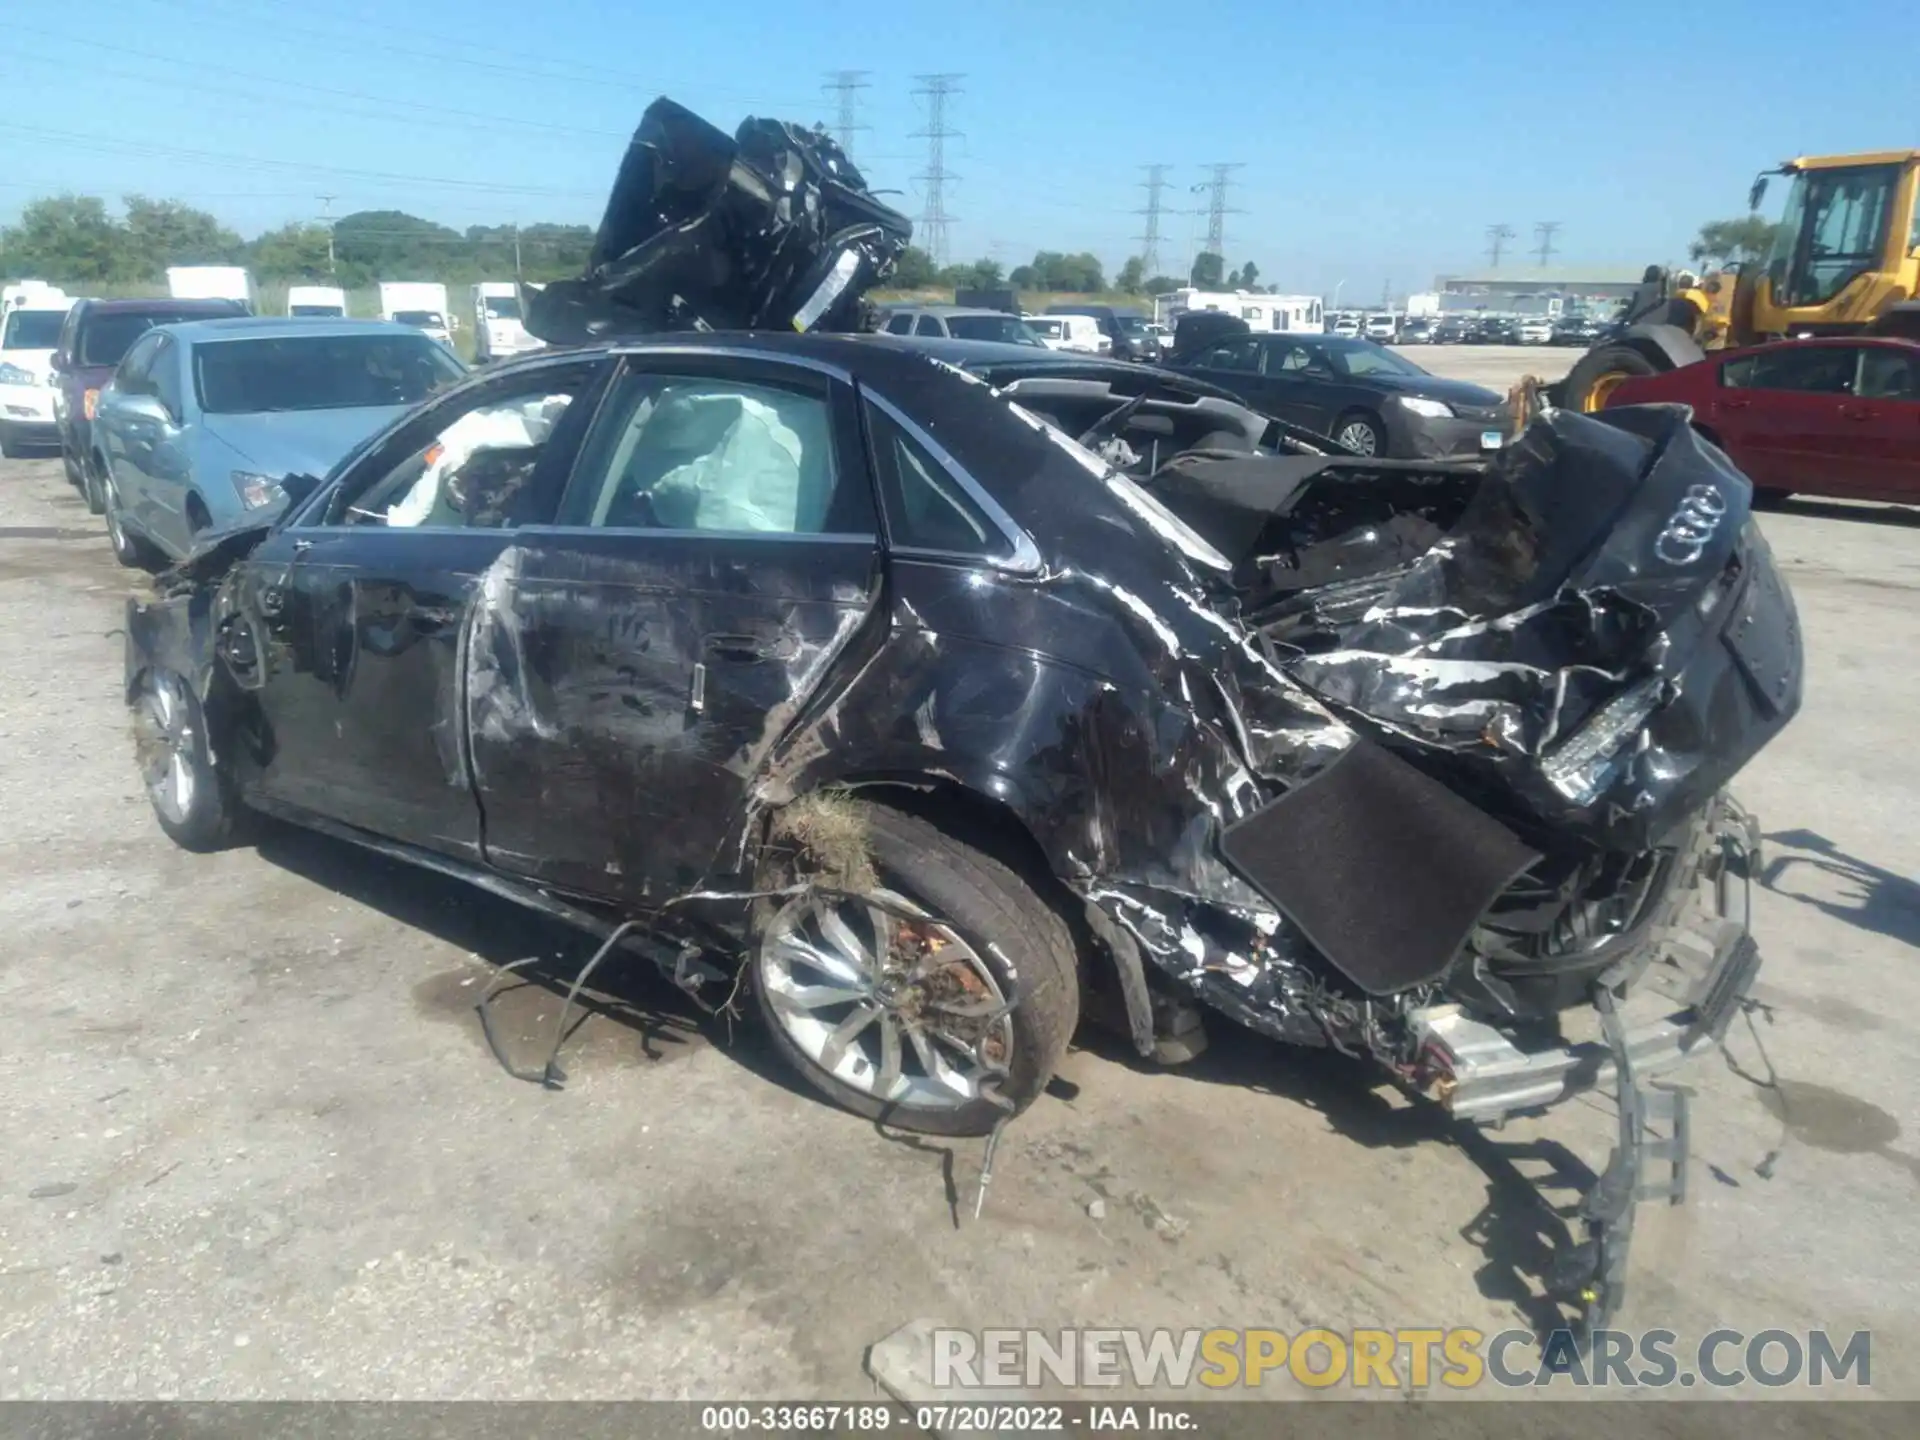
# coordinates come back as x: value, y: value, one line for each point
x: 1815, y: 369
x: 704, y: 453
x: 900, y: 325
x: 927, y: 325
x: 1888, y: 374
x: 131, y: 376
x: 927, y: 508
x: 475, y: 463
x: 1288, y: 359
x: 1239, y: 354
x: 163, y: 376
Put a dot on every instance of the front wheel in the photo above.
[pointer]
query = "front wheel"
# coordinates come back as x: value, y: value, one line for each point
x: 129, y: 549
x: 1601, y: 371
x: 190, y: 797
x: 1361, y: 433
x: 948, y: 983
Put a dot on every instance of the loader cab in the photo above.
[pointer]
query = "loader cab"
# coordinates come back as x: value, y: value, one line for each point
x: 1847, y: 246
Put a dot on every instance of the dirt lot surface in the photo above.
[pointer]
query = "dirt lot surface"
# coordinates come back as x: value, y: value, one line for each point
x: 255, y: 1147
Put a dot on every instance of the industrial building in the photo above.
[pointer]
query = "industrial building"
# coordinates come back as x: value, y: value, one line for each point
x: 1531, y: 290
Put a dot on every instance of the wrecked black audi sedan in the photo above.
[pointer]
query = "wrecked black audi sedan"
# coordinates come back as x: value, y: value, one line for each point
x: 937, y: 706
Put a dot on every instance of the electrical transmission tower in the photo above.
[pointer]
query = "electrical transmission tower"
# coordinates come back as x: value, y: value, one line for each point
x: 934, y: 219
x: 1155, y: 182
x: 847, y: 85
x: 1217, y: 208
x: 1543, y: 233
x: 1497, y: 237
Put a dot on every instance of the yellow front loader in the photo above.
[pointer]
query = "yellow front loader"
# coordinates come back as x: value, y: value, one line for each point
x: 1845, y: 260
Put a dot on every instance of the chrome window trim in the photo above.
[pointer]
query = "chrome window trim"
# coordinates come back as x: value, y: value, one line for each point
x: 1025, y: 556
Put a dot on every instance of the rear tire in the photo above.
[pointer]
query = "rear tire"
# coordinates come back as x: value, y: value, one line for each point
x: 10, y: 448
x: 72, y: 467
x: 999, y: 939
x: 191, y: 798
x: 1595, y: 375
x: 1361, y: 431
x: 94, y: 484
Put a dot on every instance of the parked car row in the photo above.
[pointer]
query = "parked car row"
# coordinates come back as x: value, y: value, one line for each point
x: 1081, y: 329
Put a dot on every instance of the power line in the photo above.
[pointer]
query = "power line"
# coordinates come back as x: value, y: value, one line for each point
x: 1155, y: 182
x: 1543, y: 233
x: 474, y: 119
x: 934, y: 220
x: 847, y: 84
x: 111, y: 145
x: 1217, y: 208
x: 1497, y: 237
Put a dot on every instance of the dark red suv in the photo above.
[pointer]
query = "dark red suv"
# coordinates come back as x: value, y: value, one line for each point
x: 96, y: 335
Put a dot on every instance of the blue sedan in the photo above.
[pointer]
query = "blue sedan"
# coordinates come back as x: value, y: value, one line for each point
x: 203, y: 420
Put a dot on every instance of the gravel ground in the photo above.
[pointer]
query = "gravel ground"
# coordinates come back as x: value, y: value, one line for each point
x: 254, y: 1145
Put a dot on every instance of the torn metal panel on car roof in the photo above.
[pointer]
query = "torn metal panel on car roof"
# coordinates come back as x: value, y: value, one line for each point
x: 773, y: 228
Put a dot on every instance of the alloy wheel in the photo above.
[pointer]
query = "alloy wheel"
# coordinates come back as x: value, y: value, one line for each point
x: 167, y: 747
x: 1358, y: 435
x: 885, y: 999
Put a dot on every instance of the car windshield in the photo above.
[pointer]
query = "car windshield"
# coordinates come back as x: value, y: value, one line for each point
x: 33, y: 330
x: 1052, y: 329
x: 1008, y: 329
x: 419, y: 319
x: 502, y: 307
x: 105, y: 338
x: 1130, y: 324
x: 313, y: 310
x: 318, y: 372
x: 1362, y: 357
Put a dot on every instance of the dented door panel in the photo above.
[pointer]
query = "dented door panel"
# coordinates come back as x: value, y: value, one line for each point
x: 624, y: 686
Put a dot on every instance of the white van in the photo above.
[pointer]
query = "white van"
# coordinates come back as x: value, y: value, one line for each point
x: 29, y: 330
x: 1079, y: 333
x: 319, y: 301
x: 497, y: 328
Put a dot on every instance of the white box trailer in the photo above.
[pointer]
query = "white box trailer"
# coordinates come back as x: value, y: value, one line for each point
x: 210, y: 282
x: 419, y: 303
x: 497, y: 329
x: 1262, y: 312
x: 325, y: 301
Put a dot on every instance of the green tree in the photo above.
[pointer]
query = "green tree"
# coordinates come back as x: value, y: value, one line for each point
x: 1209, y: 271
x: 1131, y: 276
x: 1720, y: 242
x: 974, y: 275
x: 1160, y: 284
x: 372, y: 245
x: 915, y: 269
x: 1078, y: 273
x: 296, y: 252
x: 159, y: 233
x: 65, y: 239
x: 1249, y: 276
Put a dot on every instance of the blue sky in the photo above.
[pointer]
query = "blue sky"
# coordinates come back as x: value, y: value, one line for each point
x: 1378, y: 140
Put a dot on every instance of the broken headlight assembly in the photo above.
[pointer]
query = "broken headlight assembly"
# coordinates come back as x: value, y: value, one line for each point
x: 256, y: 491
x: 1586, y: 762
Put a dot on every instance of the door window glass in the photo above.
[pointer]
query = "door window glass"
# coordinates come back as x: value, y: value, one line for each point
x: 927, y: 508
x: 476, y: 465
x: 1241, y: 354
x: 900, y: 325
x: 1820, y: 369
x: 131, y: 377
x: 163, y: 374
x: 927, y: 326
x: 710, y: 454
x: 1888, y: 374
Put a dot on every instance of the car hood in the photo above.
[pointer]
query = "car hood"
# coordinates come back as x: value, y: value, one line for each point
x: 292, y: 442
x: 1454, y: 392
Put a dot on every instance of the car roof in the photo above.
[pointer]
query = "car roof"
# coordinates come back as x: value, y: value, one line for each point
x: 279, y: 327
x: 948, y: 310
x: 147, y: 305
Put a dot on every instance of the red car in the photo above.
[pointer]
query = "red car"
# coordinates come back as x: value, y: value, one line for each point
x: 1818, y: 417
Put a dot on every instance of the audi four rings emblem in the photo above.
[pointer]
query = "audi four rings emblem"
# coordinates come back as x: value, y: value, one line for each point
x: 1684, y: 538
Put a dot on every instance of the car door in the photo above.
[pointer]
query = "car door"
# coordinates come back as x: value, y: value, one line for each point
x: 1302, y: 382
x: 355, y: 614
x: 122, y: 436
x: 1234, y: 364
x: 167, y: 444
x: 1781, y: 414
x: 715, y: 552
x: 1885, y: 414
